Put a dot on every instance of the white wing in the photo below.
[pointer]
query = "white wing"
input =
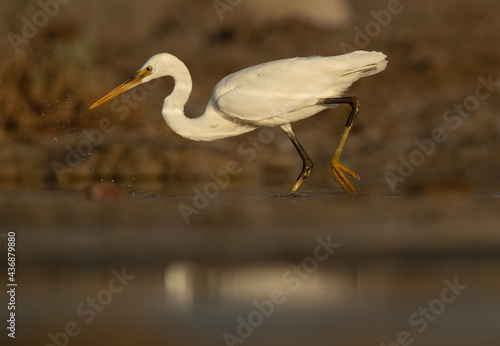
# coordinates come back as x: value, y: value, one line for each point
x: 288, y: 90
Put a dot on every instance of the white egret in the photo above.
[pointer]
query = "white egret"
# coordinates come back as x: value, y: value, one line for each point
x: 275, y: 93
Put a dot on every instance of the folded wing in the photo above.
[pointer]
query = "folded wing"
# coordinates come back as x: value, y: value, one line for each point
x: 292, y: 86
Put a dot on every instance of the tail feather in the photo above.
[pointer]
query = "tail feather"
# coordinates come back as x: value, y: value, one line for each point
x: 350, y: 67
x: 370, y: 63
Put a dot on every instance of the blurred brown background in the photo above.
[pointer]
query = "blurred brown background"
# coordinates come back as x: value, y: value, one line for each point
x: 425, y: 144
x: 436, y: 52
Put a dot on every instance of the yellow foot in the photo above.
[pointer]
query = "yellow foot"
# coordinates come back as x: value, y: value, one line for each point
x: 339, y: 176
x: 295, y: 187
x: 297, y: 184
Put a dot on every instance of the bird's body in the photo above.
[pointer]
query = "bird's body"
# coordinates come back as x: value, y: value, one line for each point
x: 272, y: 94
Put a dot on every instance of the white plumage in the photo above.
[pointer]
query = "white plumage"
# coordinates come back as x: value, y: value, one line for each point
x: 286, y: 91
x: 276, y: 93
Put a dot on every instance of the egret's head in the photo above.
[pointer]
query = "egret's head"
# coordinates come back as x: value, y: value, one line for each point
x: 153, y: 68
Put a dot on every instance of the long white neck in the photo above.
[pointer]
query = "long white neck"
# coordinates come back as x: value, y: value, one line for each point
x: 173, y: 106
x: 207, y: 127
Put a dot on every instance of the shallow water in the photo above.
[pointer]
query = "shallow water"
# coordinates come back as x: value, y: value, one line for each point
x: 256, y: 269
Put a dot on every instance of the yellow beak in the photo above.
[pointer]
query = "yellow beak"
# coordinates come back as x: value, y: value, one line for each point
x: 134, y: 81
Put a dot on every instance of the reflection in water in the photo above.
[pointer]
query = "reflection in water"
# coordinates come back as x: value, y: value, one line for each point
x: 253, y: 272
x: 344, y: 301
x: 357, y: 299
x: 312, y: 282
x: 179, y: 285
x: 187, y: 284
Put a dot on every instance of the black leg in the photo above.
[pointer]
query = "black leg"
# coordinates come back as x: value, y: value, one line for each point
x: 353, y: 101
x: 307, y: 163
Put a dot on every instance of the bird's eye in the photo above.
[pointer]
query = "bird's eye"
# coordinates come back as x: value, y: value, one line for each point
x: 149, y: 69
